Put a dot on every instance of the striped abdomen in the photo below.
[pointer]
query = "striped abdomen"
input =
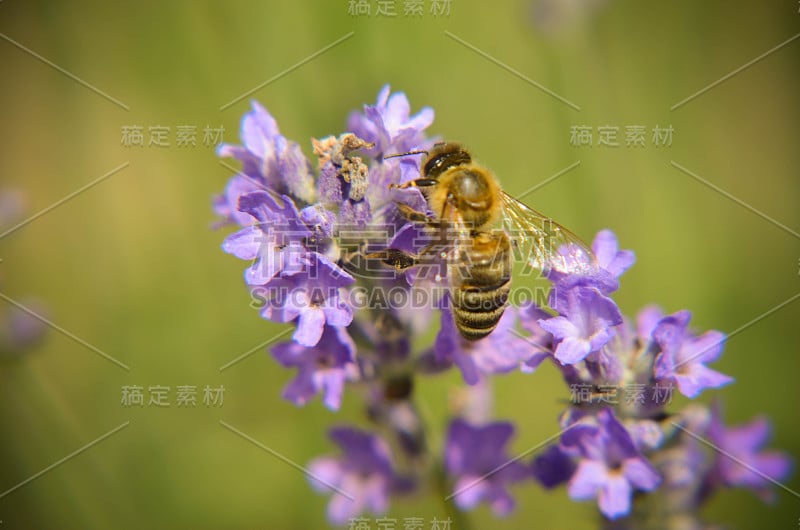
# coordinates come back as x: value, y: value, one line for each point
x: 480, y: 281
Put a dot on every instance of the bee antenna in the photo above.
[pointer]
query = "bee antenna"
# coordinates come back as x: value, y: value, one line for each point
x: 406, y: 153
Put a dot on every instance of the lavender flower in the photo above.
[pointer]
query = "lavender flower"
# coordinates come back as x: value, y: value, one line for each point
x: 363, y: 473
x: 269, y: 161
x: 683, y: 355
x: 390, y: 128
x: 586, y: 325
x: 311, y: 299
x: 307, y: 234
x: 602, y: 273
x: 389, y: 125
x: 276, y: 242
x: 740, y: 460
x: 323, y: 368
x: 289, y: 267
x: 610, y: 467
x: 476, y: 458
x: 553, y: 467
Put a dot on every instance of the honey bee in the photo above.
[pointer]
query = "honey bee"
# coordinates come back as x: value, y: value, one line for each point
x: 481, y: 228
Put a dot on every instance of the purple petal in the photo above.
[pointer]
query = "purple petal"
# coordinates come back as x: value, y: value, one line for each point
x: 258, y: 129
x: 375, y: 494
x: 469, y: 371
x: 331, y: 383
x: 694, y: 378
x: 750, y: 436
x: 264, y: 269
x: 337, y: 313
x: 327, y: 272
x: 341, y: 509
x: 288, y: 353
x: 421, y: 120
x: 470, y: 491
x: 501, y: 502
x: 355, y: 213
x: 646, y: 322
x: 705, y: 348
x: 671, y: 330
x: 397, y: 110
x: 615, y: 497
x: 310, y: 327
x: 300, y: 389
x: 245, y: 243
x: 641, y: 474
x: 600, y: 338
x: 560, y: 327
x: 553, y: 467
x: 534, y: 362
x: 587, y: 480
x: 605, y: 247
x: 228, y: 206
x: 383, y: 95
x: 609, y: 257
x: 572, y: 350
x: 295, y: 170
x: 772, y: 464
x: 324, y: 470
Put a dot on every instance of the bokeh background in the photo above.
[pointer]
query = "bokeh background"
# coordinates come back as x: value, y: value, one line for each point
x: 132, y: 267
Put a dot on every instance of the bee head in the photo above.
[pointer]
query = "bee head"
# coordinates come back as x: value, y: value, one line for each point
x: 444, y: 156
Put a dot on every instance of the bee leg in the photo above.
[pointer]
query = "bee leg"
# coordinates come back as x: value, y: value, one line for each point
x: 415, y: 216
x: 397, y: 259
x: 416, y: 183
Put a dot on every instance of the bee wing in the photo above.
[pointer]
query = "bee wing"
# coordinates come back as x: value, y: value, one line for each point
x: 543, y: 243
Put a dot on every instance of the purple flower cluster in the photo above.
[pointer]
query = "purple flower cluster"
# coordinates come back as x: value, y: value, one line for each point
x: 306, y: 233
x: 613, y: 445
x: 363, y: 476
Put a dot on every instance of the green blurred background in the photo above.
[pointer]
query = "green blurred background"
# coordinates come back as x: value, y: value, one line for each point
x: 132, y: 267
